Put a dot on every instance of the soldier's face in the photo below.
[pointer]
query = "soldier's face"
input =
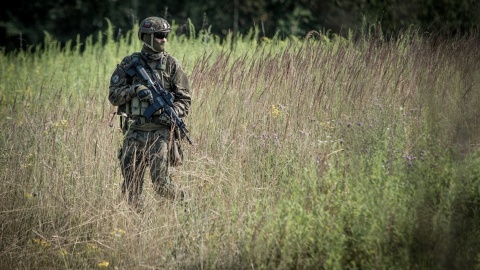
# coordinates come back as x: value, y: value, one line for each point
x: 156, y: 41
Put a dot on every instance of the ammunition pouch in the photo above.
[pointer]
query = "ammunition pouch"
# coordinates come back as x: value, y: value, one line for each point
x: 176, y: 153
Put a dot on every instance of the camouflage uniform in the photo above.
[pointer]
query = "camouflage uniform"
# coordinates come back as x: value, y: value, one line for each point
x: 149, y: 142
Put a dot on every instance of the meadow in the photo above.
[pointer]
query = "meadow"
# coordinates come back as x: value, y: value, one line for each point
x: 326, y: 152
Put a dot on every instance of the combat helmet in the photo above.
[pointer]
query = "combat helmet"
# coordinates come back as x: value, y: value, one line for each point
x: 152, y: 25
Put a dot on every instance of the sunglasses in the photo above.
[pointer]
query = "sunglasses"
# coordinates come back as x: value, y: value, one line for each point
x: 160, y: 35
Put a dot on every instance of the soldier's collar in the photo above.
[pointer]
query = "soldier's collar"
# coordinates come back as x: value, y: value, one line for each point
x: 149, y: 55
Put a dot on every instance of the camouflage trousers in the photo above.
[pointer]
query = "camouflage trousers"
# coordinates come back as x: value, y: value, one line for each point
x: 142, y: 149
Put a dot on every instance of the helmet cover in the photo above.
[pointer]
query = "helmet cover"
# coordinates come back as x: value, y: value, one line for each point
x: 153, y: 24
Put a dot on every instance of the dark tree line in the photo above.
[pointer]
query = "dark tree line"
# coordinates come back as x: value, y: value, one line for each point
x: 25, y: 23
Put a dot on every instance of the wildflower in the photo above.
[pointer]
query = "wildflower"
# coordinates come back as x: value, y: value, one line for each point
x: 409, y: 159
x: 62, y: 252
x: 103, y: 264
x: 328, y: 124
x: 91, y: 248
x: 117, y: 232
x: 275, y: 137
x: 60, y: 124
x: 275, y: 111
x: 41, y: 242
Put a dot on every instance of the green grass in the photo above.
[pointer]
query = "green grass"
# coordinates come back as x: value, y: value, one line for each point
x: 324, y: 153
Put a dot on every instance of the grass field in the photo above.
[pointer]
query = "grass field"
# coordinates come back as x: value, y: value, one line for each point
x: 319, y: 153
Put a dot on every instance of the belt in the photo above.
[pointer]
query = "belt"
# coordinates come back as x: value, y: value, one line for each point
x: 155, y: 119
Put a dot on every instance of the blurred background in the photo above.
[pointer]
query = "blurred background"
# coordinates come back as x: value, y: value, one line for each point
x: 25, y: 23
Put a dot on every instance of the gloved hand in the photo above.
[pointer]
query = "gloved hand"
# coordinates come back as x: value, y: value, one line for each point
x: 144, y: 94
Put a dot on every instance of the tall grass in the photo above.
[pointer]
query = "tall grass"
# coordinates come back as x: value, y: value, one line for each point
x: 325, y: 153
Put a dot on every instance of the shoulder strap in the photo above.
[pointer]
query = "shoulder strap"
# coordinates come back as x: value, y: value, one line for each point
x: 162, y: 65
x: 137, y: 56
x: 155, y: 75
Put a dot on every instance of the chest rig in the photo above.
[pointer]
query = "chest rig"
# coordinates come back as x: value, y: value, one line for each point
x: 157, y: 71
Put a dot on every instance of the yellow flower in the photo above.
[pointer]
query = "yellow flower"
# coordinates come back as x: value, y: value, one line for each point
x: 60, y: 124
x: 117, y: 232
x: 275, y: 111
x: 41, y: 242
x: 62, y: 252
x: 103, y: 264
x: 328, y: 124
x: 91, y: 248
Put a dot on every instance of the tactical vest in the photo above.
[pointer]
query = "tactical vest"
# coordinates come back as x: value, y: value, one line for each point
x: 136, y: 107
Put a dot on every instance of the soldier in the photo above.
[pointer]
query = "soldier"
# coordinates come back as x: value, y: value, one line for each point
x: 152, y: 142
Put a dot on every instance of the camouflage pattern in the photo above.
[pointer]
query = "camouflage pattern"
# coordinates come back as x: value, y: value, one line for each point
x: 147, y: 148
x: 149, y: 142
x: 153, y: 24
x: 150, y: 26
x: 171, y: 74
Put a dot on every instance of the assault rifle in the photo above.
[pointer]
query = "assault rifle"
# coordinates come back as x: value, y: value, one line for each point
x: 161, y: 99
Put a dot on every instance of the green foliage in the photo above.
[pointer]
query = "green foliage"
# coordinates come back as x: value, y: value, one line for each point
x: 24, y: 25
x: 322, y: 153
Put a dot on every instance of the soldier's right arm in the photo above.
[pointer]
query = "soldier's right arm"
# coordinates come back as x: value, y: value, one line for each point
x: 121, y: 89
